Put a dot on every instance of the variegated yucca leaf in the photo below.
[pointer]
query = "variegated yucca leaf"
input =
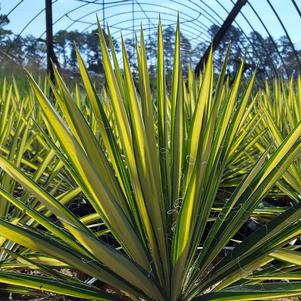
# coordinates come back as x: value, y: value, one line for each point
x: 172, y: 177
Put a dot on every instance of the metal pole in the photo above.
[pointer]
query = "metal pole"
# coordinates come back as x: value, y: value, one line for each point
x: 133, y: 32
x: 103, y: 16
x: 49, y: 38
x: 220, y: 34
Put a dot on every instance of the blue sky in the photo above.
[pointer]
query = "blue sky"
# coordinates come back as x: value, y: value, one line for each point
x: 119, y: 16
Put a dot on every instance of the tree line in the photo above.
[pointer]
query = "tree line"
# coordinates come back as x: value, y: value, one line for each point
x: 262, y: 53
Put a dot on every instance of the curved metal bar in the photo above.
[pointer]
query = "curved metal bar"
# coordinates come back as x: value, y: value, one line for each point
x: 297, y: 8
x: 204, y: 11
x: 115, y: 3
x: 144, y: 12
x: 262, y: 44
x: 286, y: 32
x: 270, y: 36
x: 14, y: 8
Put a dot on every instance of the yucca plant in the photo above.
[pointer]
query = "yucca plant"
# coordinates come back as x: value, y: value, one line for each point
x: 19, y: 145
x: 151, y: 166
x: 279, y: 108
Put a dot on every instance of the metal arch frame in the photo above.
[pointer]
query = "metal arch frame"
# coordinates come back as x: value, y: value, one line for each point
x: 112, y: 16
x: 127, y: 20
x: 90, y: 25
x: 191, y: 36
x: 144, y: 12
x: 129, y: 28
x: 119, y: 30
x: 204, y: 12
x: 128, y: 34
x: 213, y: 22
x: 204, y: 27
x: 186, y: 20
x: 284, y: 28
x: 147, y: 4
